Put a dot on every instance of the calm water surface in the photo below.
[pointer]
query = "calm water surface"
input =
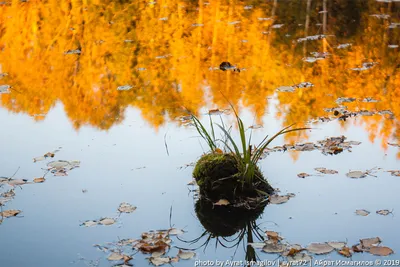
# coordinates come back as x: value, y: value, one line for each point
x: 169, y: 52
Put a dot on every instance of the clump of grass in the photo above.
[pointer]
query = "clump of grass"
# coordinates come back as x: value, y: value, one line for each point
x: 246, y: 156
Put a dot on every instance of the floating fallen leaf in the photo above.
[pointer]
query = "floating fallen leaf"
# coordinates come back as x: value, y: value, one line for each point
x: 115, y: 257
x: 345, y: 251
x: 356, y: 174
x: 362, y: 212
x: 159, y: 261
x: 319, y: 248
x: 311, y: 38
x: 70, y: 52
x: 395, y: 173
x: 17, y: 182
x: 370, y: 242
x: 274, y: 248
x: 336, y: 244
x: 186, y: 255
x: 39, y: 180
x: 277, y: 199
x: 303, y: 175
x: 90, y: 223
x: 357, y: 248
x: 222, y: 202
x: 381, y: 251
x: 341, y: 100
x: 175, y: 231
x: 9, y: 213
x: 325, y: 171
x: 365, y: 66
x: 343, y: 46
x: 124, y: 87
x: 107, y: 221
x: 289, y: 89
x: 126, y: 208
x: 383, y: 212
x: 60, y: 167
x: 215, y: 111
x: 256, y: 126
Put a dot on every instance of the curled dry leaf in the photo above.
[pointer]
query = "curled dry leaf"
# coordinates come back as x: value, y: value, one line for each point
x: 126, y: 208
x: 381, y: 251
x: 362, y: 212
x: 356, y: 174
x: 325, y: 170
x: 39, y: 180
x: 222, y: 202
x: 303, y: 175
x: 274, y: 236
x: 368, y: 243
x: 319, y: 248
x: 345, y: 251
x: 186, y: 255
x: 383, y: 212
x: 159, y: 261
x: 357, y: 248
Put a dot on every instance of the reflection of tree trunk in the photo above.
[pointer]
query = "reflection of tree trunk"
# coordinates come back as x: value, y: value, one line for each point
x: 307, y: 24
x: 324, y: 22
x: 274, y: 8
x: 215, y: 33
x: 199, y: 40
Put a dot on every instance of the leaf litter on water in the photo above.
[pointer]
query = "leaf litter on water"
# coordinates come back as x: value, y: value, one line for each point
x: 384, y: 212
x: 277, y: 199
x: 326, y: 171
x: 126, y: 208
x: 362, y: 212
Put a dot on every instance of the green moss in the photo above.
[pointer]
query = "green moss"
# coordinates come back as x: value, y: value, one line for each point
x: 219, y: 177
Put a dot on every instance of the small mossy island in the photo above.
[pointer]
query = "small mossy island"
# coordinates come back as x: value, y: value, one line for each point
x: 233, y: 175
x: 219, y: 177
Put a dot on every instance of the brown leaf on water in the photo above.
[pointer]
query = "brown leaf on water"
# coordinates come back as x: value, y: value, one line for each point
x: 362, y: 212
x: 368, y: 243
x: 357, y: 248
x: 9, y: 213
x: 115, y: 257
x: 39, y: 180
x: 319, y: 248
x: 274, y: 236
x: 356, y: 174
x: 383, y: 212
x: 345, y: 252
x: 336, y: 244
x: 150, y: 247
x: 277, y: 199
x: 107, y: 221
x: 126, y: 208
x: 274, y: 248
x: 395, y: 173
x: 159, y: 261
x: 303, y: 175
x: 381, y: 251
x: 326, y: 171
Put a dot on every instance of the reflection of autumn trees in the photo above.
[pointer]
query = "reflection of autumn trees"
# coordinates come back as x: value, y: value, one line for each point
x: 166, y: 51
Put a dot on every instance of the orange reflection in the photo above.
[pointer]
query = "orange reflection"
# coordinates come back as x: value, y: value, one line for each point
x: 167, y: 51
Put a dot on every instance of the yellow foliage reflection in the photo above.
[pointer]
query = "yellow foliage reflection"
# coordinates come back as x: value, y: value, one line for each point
x: 168, y: 51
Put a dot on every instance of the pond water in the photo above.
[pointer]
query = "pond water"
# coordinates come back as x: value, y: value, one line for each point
x: 108, y: 83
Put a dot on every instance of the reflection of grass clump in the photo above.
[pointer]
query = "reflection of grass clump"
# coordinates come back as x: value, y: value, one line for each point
x: 225, y: 221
